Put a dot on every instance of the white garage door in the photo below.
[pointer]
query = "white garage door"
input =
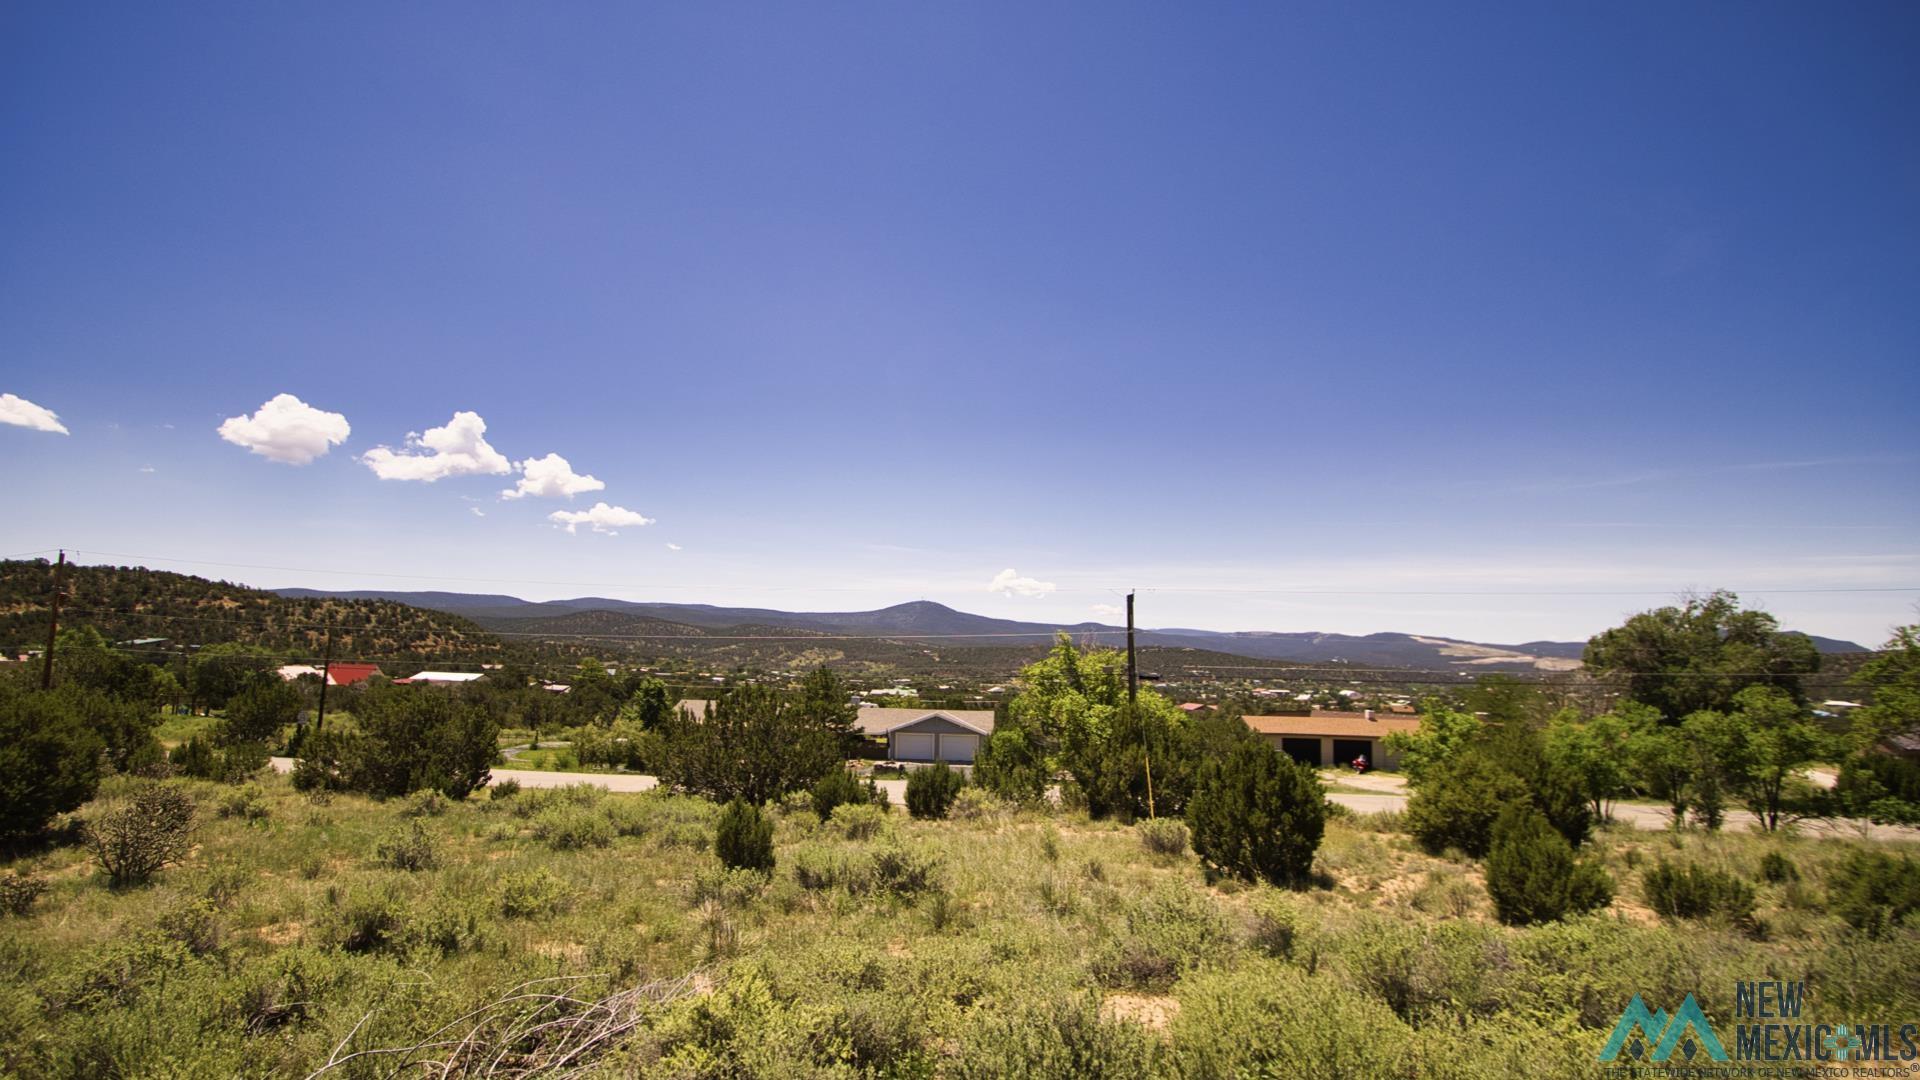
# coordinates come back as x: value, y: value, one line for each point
x: 908, y: 746
x: 958, y: 747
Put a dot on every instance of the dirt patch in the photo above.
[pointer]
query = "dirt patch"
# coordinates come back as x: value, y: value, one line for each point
x: 1152, y: 1013
x: 898, y: 948
x: 1635, y: 913
x: 1400, y: 889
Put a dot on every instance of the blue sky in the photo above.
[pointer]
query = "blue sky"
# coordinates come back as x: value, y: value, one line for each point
x: 868, y: 303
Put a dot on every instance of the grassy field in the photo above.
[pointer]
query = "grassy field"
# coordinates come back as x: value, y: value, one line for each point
x: 173, y: 729
x: 1004, y: 944
x: 549, y: 759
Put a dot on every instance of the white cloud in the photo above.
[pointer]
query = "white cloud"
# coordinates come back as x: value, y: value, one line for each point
x: 477, y: 512
x: 458, y: 449
x: 23, y: 413
x: 603, y: 518
x: 1109, y: 610
x: 287, y: 430
x: 673, y: 547
x: 550, y: 477
x: 146, y: 468
x: 1008, y: 582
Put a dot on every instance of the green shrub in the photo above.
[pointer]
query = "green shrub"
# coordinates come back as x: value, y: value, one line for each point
x: 410, y: 848
x: 50, y: 759
x: 1693, y: 891
x: 248, y: 803
x: 816, y: 868
x: 1427, y: 974
x: 1029, y: 1039
x: 1777, y: 869
x: 730, y: 888
x: 1532, y: 875
x: 116, y: 973
x: 132, y: 841
x: 1257, y: 814
x: 1272, y: 1020
x: 931, y: 791
x: 369, y: 920
x: 861, y: 822
x: 1171, y: 930
x: 195, y: 924
x: 425, y: 803
x: 503, y: 789
x: 571, y: 828
x: 743, y: 838
x: 532, y: 894
x: 627, y: 817
x: 204, y: 759
x: 538, y: 800
x: 976, y: 804
x: 1457, y: 802
x: 19, y: 891
x: 1163, y: 836
x: 842, y: 788
x: 1275, y: 929
x: 902, y: 872
x: 1874, y: 891
x: 404, y: 741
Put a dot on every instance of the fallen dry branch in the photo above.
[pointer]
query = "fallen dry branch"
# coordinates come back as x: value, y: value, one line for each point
x: 543, y: 1028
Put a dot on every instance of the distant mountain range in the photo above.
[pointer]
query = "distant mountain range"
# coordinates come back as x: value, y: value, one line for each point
x: 924, y: 620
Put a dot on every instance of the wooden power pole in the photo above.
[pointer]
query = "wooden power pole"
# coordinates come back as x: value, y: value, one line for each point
x: 326, y: 676
x: 53, y: 621
x: 1133, y: 669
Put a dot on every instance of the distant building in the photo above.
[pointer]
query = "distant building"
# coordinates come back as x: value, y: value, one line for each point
x: 1195, y: 707
x: 1327, y: 737
x: 1903, y: 746
x: 344, y: 674
x: 341, y: 674
x: 916, y: 735
x: 927, y: 735
x: 438, y: 678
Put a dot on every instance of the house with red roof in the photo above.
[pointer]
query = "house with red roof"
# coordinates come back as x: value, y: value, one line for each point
x: 350, y: 674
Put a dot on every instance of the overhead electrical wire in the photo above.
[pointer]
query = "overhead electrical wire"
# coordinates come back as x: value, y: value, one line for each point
x: 1226, y: 589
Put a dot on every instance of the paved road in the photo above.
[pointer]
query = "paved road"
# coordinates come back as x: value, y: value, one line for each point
x: 1388, y: 793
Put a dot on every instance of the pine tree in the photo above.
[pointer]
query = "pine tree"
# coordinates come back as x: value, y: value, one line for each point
x: 1532, y: 874
x: 744, y: 837
x: 1257, y: 814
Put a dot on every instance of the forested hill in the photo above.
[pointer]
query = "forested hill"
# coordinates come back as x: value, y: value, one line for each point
x: 126, y: 603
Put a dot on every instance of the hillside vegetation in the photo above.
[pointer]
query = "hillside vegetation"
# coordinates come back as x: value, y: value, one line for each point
x: 126, y: 603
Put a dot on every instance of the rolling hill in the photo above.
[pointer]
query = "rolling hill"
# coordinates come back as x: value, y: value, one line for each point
x: 924, y: 621
x: 127, y: 603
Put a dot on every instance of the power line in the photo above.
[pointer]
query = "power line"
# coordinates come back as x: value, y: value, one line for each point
x: 1227, y: 589
x: 586, y: 636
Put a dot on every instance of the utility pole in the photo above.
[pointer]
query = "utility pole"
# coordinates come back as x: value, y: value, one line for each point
x: 1133, y: 698
x: 1133, y: 669
x: 326, y: 676
x: 53, y: 620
